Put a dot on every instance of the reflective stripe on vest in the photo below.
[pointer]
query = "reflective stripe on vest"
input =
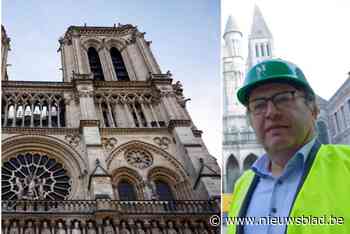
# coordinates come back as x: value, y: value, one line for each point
x: 325, y: 192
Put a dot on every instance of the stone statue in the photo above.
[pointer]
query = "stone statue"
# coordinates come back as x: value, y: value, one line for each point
x: 60, y: 229
x: 31, y: 187
x: 150, y: 190
x: 139, y: 229
x: 91, y: 229
x: 45, y: 229
x: 108, y: 229
x: 20, y: 189
x: 171, y: 229
x: 29, y: 229
x: 76, y: 228
x: 186, y: 229
x: 123, y: 229
x: 14, y: 228
x: 41, y: 183
x: 155, y: 229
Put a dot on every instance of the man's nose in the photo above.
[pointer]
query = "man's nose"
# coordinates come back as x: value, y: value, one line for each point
x: 271, y: 109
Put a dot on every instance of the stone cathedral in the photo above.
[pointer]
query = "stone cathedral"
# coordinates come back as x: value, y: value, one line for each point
x: 111, y: 149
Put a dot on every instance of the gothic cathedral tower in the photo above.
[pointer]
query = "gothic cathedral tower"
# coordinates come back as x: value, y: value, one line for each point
x: 260, y: 42
x: 109, y: 146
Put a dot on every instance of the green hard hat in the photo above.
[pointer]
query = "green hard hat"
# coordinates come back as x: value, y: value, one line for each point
x: 272, y: 71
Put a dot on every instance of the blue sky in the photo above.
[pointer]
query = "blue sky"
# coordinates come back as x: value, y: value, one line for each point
x: 185, y: 39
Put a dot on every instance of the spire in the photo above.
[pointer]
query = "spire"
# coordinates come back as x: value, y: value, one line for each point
x: 259, y: 27
x: 231, y: 26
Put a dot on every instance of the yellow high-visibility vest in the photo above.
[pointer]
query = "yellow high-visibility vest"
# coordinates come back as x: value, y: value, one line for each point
x: 324, y: 192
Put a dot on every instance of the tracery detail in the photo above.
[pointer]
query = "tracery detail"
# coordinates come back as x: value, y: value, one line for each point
x: 139, y: 158
x: 34, y: 177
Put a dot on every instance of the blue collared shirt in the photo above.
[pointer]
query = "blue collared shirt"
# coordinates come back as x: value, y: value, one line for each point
x: 274, y: 196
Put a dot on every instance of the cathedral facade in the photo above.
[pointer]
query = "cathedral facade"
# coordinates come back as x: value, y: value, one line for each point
x: 333, y: 123
x: 111, y: 148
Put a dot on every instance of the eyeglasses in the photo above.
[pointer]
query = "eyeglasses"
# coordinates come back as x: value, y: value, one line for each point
x: 281, y: 101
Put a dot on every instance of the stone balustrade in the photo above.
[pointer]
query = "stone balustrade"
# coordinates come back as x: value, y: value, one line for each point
x: 109, y: 216
x: 124, y: 207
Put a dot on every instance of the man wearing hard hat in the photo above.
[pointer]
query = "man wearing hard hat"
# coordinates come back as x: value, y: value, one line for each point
x: 299, y: 186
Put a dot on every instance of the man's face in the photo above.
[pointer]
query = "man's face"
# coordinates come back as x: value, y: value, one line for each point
x: 285, y: 128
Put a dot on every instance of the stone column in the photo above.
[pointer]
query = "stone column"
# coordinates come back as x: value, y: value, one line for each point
x: 104, y: 64
x: 32, y: 116
x: 50, y: 109
x: 155, y: 117
x: 58, y: 113
x: 6, y: 114
x: 146, y: 114
x: 137, y: 115
x: 100, y: 113
x: 15, y: 115
x: 110, y: 115
x: 77, y: 52
x: 128, y: 64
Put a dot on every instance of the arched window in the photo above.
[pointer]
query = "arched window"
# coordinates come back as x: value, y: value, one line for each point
x: 257, y: 50
x: 95, y: 64
x: 248, y: 161
x: 126, y: 191
x: 268, y: 50
x: 11, y: 112
x: 54, y: 116
x: 141, y: 115
x: 262, y: 50
x: 19, y: 111
x: 232, y: 173
x: 163, y: 190
x: 118, y: 64
x: 10, y: 115
x: 27, y: 116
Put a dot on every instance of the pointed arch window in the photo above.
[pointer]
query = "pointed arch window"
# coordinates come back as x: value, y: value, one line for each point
x: 262, y: 50
x: 95, y: 64
x: 163, y: 190
x: 257, y: 50
x: 248, y: 161
x: 232, y: 173
x: 268, y: 50
x: 11, y: 112
x: 126, y: 191
x: 118, y: 64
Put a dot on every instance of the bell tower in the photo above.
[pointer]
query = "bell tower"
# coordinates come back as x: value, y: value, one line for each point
x: 118, y: 53
x: 260, y: 41
x: 119, y: 87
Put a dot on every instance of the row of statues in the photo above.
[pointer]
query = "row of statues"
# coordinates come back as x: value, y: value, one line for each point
x: 107, y: 228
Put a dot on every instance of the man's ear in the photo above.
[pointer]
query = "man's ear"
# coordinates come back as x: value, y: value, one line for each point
x: 315, y: 110
x: 249, y: 121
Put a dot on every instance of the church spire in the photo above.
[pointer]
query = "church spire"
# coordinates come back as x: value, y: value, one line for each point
x: 231, y: 26
x: 260, y: 41
x: 259, y: 26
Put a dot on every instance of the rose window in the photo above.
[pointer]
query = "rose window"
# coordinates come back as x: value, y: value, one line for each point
x: 34, y: 177
x: 139, y: 158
